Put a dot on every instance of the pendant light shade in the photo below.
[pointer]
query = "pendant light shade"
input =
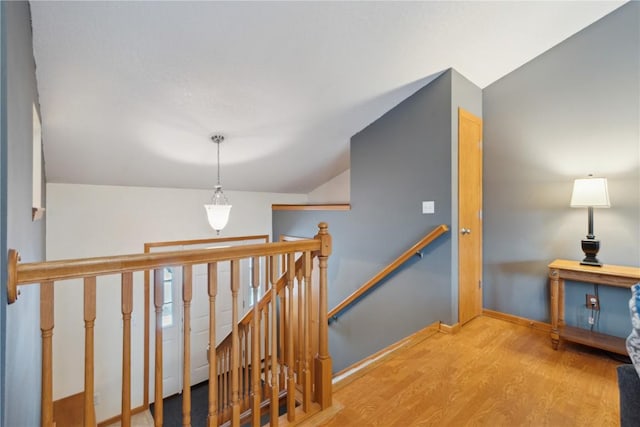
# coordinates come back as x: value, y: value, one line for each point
x: 219, y: 209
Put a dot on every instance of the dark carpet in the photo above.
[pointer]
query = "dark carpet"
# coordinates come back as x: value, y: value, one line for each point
x: 172, y: 408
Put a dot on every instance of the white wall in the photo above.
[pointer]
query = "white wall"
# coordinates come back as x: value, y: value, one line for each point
x: 336, y: 190
x: 88, y: 220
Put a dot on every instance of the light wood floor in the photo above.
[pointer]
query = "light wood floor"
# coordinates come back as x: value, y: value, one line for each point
x: 491, y: 373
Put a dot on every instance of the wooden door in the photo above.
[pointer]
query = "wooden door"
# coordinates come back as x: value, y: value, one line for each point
x: 469, y: 216
x: 173, y: 322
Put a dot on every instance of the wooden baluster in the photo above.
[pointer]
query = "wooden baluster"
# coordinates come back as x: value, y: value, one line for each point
x: 187, y: 271
x: 300, y: 321
x: 306, y: 374
x: 46, y: 327
x: 315, y: 324
x: 282, y: 333
x: 219, y: 383
x: 245, y: 372
x: 235, y: 344
x: 274, y: 390
x: 127, y: 308
x: 267, y: 358
x: 240, y: 366
x: 147, y: 338
x: 323, y: 360
x: 158, y: 300
x: 255, y: 347
x: 227, y: 378
x: 229, y: 381
x: 89, y: 322
x: 225, y: 382
x: 291, y: 380
x: 221, y: 386
x: 212, y: 416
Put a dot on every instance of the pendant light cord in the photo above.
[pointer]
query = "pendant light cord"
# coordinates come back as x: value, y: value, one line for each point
x: 218, y: 139
x: 218, y: 142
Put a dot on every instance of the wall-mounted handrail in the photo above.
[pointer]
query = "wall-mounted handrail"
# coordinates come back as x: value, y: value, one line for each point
x: 413, y: 250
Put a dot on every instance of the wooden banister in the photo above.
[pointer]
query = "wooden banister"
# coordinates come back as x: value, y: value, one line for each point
x: 32, y: 273
x: 245, y: 379
x: 426, y: 240
x: 280, y: 284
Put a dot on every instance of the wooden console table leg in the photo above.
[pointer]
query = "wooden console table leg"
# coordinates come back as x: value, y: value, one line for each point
x: 554, y: 279
x: 560, y: 302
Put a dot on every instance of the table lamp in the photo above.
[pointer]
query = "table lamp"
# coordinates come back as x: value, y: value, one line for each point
x: 590, y: 193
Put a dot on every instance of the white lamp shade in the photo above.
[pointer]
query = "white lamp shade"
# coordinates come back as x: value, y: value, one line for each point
x: 590, y: 192
x: 218, y: 216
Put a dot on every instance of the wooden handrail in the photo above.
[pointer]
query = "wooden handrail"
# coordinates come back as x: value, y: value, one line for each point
x: 426, y: 240
x: 211, y: 241
x: 262, y: 302
x: 33, y: 273
x: 313, y: 207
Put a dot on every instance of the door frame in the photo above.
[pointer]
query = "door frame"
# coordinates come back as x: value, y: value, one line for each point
x: 148, y: 248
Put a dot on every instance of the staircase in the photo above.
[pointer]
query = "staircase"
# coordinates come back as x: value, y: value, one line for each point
x: 276, y: 355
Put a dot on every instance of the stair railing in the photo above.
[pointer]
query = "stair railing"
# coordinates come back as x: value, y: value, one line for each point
x: 404, y: 257
x: 225, y: 370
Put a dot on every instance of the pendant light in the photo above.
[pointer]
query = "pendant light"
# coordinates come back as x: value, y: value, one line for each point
x: 219, y: 209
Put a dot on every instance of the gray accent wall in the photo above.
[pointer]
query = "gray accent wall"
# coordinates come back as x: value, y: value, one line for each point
x: 469, y: 96
x: 22, y: 336
x: 3, y: 207
x: 572, y: 111
x: 400, y: 160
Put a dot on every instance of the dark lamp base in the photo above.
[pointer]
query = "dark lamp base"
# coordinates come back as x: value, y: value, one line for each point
x: 590, y: 247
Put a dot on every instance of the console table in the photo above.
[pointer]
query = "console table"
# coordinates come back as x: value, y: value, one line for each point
x: 608, y: 275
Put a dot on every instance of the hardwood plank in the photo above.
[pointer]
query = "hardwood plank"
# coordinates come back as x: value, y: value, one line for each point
x: 492, y: 372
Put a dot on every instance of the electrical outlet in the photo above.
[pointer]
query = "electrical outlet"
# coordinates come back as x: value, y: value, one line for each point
x: 593, y: 302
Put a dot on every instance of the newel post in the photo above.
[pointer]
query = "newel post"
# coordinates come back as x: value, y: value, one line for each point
x: 323, y: 359
x: 12, y: 276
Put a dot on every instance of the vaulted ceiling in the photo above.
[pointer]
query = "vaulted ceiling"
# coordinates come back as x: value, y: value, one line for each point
x: 130, y: 92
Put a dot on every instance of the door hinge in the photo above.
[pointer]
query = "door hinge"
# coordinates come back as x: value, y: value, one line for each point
x: 479, y: 284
